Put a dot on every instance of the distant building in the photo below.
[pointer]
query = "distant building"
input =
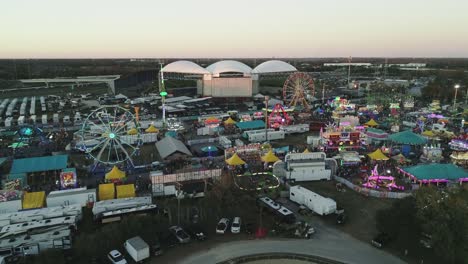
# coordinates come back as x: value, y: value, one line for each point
x: 343, y: 64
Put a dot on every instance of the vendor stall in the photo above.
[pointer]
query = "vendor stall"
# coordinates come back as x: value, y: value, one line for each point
x: 435, y: 173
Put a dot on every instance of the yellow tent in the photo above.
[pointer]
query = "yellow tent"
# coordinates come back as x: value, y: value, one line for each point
x: 115, y: 174
x: 306, y: 151
x: 151, y: 129
x: 235, y: 160
x: 106, y: 191
x: 132, y: 131
x: 230, y: 121
x: 125, y: 191
x: 269, y: 157
x: 377, y: 155
x: 33, y: 200
x: 372, y: 123
x: 428, y: 133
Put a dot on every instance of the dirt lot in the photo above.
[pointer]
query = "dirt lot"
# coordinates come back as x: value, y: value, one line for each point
x: 359, y: 209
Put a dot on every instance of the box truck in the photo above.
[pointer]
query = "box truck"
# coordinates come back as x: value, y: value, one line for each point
x: 137, y: 249
x: 319, y: 204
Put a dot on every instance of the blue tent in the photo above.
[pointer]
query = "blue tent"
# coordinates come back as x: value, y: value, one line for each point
x: 257, y: 124
x: 37, y: 164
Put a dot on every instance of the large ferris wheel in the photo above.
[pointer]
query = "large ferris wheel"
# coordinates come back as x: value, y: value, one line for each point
x: 111, y: 135
x: 298, y: 89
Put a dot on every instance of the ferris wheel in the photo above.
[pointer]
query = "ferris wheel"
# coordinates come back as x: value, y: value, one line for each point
x: 298, y: 89
x: 110, y: 135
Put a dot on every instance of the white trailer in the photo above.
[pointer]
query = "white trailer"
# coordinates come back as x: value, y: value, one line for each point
x: 55, y: 118
x: 21, y: 120
x: 44, y: 119
x: 43, y: 104
x: 307, y: 166
x: 3, y: 106
x: 33, y: 119
x: 259, y: 135
x: 301, y: 128
x: 137, y: 248
x: 79, y: 196
x: 314, y: 141
x: 66, y: 120
x: 11, y: 107
x: 32, y: 108
x: 77, y: 118
x: 319, y: 204
x: 8, y: 121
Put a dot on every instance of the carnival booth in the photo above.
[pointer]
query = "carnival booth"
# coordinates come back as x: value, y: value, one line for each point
x: 152, y: 129
x: 378, y: 156
x: 407, y: 139
x: 375, y: 135
x: 115, y: 175
x: 460, y: 159
x: 371, y: 123
x: 336, y: 139
x: 431, y: 154
x: 435, y: 173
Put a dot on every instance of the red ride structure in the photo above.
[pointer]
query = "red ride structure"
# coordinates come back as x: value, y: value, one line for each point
x: 278, y: 117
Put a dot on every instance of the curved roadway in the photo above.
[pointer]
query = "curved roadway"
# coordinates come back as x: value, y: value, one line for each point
x: 328, y: 243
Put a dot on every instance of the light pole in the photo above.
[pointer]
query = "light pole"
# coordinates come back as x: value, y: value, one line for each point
x: 455, y: 98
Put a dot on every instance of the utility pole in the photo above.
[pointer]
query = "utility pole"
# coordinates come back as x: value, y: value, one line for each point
x: 323, y: 92
x: 266, y: 118
x: 162, y: 93
x: 349, y: 71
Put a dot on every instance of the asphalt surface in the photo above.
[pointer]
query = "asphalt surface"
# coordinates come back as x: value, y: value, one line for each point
x: 328, y: 242
x: 331, y: 246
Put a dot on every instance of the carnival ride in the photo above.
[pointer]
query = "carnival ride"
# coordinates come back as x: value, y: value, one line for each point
x: 298, y: 89
x: 376, y: 181
x: 278, y: 117
x: 109, y: 127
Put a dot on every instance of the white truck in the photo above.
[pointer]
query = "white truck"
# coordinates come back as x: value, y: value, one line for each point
x: 319, y: 204
x: 307, y: 166
x: 137, y: 248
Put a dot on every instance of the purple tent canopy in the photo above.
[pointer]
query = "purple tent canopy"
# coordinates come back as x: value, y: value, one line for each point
x: 435, y: 116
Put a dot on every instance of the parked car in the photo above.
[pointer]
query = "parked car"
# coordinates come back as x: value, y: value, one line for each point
x: 180, y: 234
x: 197, y: 233
x: 116, y: 257
x: 236, y: 225
x: 222, y: 226
x: 380, y: 240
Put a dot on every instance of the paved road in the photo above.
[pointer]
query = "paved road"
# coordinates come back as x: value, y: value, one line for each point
x: 341, y: 248
x: 328, y: 242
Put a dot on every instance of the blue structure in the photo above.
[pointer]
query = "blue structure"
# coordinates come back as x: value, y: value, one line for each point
x: 48, y: 163
x: 250, y: 125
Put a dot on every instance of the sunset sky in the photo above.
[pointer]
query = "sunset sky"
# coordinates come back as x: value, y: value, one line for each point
x: 239, y: 28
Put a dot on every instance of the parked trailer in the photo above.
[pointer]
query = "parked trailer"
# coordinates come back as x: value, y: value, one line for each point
x: 4, y: 106
x: 259, y: 135
x: 55, y: 118
x: 44, y: 119
x: 79, y: 196
x: 32, y: 108
x: 33, y: 244
x: 301, y: 128
x: 319, y: 204
x: 307, y: 166
x: 23, y: 106
x: 43, y: 104
x: 8, y: 121
x: 137, y: 248
x: 33, y: 119
x: 21, y: 120
x: 11, y: 107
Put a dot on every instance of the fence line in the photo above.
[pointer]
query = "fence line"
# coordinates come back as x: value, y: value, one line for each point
x: 370, y: 192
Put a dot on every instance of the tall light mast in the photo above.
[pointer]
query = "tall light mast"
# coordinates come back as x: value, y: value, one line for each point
x: 162, y: 93
x: 349, y: 71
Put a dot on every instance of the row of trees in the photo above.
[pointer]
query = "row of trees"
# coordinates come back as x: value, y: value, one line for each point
x: 443, y: 215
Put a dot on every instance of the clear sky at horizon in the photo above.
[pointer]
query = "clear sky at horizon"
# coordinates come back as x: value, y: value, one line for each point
x: 241, y: 28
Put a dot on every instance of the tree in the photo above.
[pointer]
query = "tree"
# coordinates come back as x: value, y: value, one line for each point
x: 444, y: 216
x: 400, y: 222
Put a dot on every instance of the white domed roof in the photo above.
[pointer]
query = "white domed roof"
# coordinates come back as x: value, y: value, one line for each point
x: 228, y: 66
x: 274, y: 66
x: 184, y: 66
